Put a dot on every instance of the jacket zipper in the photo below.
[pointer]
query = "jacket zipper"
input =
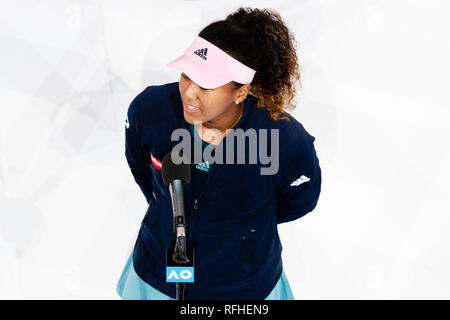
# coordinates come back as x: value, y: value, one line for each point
x: 196, y: 200
x: 195, y: 204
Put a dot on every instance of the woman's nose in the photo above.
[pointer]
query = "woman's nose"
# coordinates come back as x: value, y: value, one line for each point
x: 192, y: 89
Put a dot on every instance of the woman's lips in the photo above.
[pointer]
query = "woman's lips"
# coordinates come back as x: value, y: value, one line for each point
x: 185, y: 107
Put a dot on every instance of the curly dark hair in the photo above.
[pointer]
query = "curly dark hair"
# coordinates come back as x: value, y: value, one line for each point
x: 260, y: 39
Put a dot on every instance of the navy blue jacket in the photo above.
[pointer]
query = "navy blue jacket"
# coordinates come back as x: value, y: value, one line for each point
x: 232, y: 224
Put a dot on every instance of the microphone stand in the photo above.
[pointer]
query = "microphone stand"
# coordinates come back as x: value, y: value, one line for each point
x: 179, y: 227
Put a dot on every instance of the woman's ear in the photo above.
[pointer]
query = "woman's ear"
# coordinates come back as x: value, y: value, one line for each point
x: 242, y: 92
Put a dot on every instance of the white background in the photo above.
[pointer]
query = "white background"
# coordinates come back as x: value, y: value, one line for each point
x: 375, y: 80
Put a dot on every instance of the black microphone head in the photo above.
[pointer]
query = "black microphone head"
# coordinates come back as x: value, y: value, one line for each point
x: 171, y: 171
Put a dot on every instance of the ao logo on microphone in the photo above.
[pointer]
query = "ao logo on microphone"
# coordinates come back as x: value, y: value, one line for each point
x: 179, y: 274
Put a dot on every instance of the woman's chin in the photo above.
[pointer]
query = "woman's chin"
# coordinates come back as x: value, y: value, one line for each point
x: 191, y: 118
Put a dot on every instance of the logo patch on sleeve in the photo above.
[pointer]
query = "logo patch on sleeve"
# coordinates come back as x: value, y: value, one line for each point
x: 300, y: 180
x: 156, y: 163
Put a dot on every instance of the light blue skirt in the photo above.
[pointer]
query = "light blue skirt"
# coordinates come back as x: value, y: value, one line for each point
x: 132, y: 287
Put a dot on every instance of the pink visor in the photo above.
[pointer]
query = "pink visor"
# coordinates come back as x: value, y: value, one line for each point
x: 211, y: 67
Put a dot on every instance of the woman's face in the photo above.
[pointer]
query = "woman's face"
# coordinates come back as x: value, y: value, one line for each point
x: 213, y: 104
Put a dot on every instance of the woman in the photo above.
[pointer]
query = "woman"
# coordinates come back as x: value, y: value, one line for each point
x: 239, y: 73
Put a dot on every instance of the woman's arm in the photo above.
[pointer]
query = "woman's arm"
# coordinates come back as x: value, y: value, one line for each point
x: 300, y: 182
x: 138, y: 160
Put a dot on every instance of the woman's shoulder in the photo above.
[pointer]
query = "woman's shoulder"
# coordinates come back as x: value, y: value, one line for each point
x: 152, y: 96
x: 294, y: 129
x: 292, y: 135
x: 294, y: 139
x: 290, y: 130
x: 153, y: 102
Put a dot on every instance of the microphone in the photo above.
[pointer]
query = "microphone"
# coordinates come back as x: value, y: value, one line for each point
x: 175, y: 176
